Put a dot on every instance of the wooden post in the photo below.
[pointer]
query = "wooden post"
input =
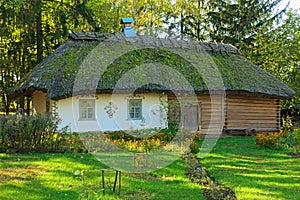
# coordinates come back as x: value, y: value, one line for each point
x: 118, y: 173
x: 103, y: 186
x: 115, y: 182
x: 119, y: 183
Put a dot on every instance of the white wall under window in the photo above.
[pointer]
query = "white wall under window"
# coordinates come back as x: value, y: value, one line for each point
x: 111, y: 113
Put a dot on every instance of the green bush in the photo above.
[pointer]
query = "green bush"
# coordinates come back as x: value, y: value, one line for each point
x: 195, y: 147
x: 289, y: 141
x: 35, y: 133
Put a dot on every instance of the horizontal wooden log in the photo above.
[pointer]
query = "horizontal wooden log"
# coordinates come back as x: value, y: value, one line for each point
x: 234, y: 105
x: 251, y: 117
x: 261, y: 101
x: 250, y: 98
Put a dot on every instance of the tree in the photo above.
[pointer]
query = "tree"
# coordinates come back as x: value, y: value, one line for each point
x: 237, y: 22
x: 276, y: 50
x: 32, y: 29
x: 188, y: 18
x: 148, y: 14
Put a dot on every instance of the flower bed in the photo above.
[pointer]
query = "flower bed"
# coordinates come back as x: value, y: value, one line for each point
x: 280, y: 140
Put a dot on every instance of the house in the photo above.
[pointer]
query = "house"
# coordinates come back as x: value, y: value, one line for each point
x: 98, y: 81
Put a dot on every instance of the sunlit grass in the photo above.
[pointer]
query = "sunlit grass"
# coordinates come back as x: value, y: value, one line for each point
x: 51, y: 176
x: 254, y: 172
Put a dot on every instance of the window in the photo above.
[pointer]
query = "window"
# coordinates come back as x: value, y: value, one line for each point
x: 86, y: 109
x: 135, y: 108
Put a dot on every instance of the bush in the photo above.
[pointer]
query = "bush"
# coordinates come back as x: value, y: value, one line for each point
x: 270, y: 139
x: 146, y: 140
x: 36, y: 133
x: 280, y: 140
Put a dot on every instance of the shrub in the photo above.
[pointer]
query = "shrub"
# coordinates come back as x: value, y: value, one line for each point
x: 293, y: 142
x: 270, y: 139
x: 195, y: 147
x: 280, y: 140
x: 146, y: 140
x: 36, y: 133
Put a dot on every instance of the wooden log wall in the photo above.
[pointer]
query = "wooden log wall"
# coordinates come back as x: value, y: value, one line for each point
x: 233, y: 113
x: 212, y: 114
x: 261, y: 114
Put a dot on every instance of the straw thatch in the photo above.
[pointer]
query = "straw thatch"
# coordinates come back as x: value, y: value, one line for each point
x: 57, y: 73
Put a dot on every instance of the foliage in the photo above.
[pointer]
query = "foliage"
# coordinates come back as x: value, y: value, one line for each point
x: 195, y: 147
x: 280, y: 140
x: 31, y: 30
x: 233, y: 22
x: 148, y: 14
x: 36, y: 133
x: 144, y: 140
x: 237, y: 22
x: 271, y: 139
x: 276, y: 49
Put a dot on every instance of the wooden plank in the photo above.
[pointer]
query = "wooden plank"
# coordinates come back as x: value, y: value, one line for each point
x: 232, y: 104
x: 250, y: 98
x: 264, y: 112
x: 241, y: 108
x: 252, y: 124
x: 253, y: 127
x: 252, y: 117
x: 251, y: 114
x: 251, y: 105
x: 251, y: 121
x: 262, y: 101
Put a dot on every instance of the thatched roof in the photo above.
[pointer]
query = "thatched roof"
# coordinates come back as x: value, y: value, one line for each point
x: 57, y: 73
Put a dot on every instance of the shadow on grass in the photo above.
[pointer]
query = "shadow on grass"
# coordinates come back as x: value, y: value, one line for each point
x: 254, y: 172
x: 52, y: 177
x: 34, y: 189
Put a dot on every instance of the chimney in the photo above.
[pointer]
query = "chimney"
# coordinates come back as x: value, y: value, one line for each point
x: 127, y: 27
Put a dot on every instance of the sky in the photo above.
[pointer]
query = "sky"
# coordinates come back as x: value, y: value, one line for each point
x: 293, y: 4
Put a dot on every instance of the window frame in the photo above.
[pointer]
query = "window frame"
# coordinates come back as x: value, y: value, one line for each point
x: 141, y: 109
x: 87, y: 110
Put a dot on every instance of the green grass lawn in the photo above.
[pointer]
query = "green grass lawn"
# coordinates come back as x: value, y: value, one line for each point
x: 51, y: 176
x: 252, y: 172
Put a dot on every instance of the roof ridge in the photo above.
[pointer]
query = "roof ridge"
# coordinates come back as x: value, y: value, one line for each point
x: 221, y: 48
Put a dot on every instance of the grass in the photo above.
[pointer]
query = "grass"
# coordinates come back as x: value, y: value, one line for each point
x: 51, y: 176
x: 252, y: 172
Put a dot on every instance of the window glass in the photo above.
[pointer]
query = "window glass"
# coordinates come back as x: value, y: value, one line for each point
x: 86, y: 109
x: 135, y: 108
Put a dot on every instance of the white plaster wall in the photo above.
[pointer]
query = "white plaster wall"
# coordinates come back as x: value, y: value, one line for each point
x: 68, y: 111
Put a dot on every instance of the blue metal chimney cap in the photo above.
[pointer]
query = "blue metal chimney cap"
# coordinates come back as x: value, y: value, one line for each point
x: 127, y: 20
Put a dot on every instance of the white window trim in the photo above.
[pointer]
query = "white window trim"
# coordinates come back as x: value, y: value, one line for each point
x: 141, y: 109
x: 94, y: 114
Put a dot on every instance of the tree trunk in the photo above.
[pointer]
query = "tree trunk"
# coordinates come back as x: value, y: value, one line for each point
x: 39, y: 31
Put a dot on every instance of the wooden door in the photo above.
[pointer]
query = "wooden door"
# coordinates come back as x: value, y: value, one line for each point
x: 190, y: 117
